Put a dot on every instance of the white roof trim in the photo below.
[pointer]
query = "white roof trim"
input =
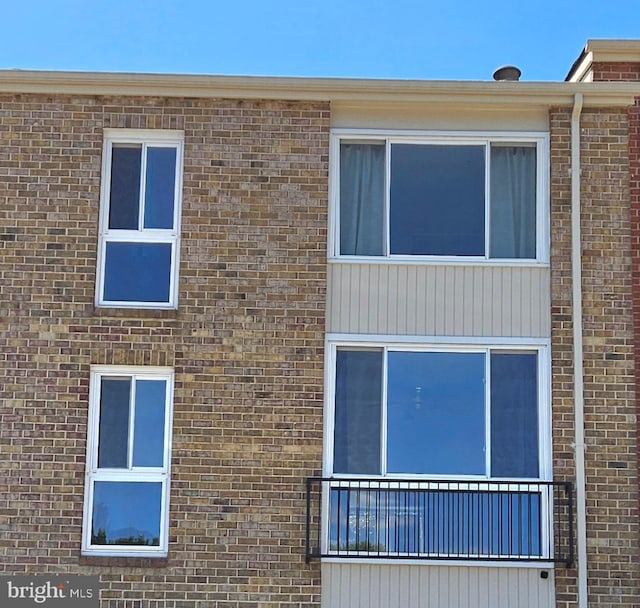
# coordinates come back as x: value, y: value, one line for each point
x: 317, y: 89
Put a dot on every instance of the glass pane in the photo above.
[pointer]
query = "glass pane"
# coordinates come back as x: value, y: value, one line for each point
x: 113, y: 434
x: 513, y: 202
x: 358, y: 411
x: 436, y: 413
x: 126, y: 513
x: 137, y: 272
x: 362, y: 199
x: 437, y: 200
x: 124, y: 193
x: 514, y: 415
x: 457, y: 523
x: 160, y: 188
x: 148, y: 433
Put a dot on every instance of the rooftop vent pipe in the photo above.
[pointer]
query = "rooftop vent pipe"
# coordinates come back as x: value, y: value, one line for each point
x: 507, y: 72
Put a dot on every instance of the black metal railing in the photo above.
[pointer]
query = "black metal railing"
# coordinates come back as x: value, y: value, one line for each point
x: 446, y: 520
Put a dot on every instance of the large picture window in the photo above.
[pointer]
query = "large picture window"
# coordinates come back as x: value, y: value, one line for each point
x: 126, y: 498
x: 438, y: 450
x: 471, y: 197
x: 140, y: 215
x: 438, y: 413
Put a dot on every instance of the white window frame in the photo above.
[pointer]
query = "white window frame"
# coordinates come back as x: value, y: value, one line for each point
x: 538, y: 139
x: 437, y: 344
x: 131, y: 473
x: 541, y: 347
x: 146, y: 138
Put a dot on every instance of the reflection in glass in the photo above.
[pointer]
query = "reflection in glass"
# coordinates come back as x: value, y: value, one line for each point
x: 148, y: 435
x: 160, y: 188
x: 137, y: 272
x: 124, y: 200
x: 458, y: 523
x: 436, y: 413
x: 126, y: 513
x: 437, y: 200
x: 113, y: 434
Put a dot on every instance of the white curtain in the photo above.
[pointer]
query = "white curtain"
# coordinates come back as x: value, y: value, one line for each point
x: 513, y: 202
x: 362, y: 199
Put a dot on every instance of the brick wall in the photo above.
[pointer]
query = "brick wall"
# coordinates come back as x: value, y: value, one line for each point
x: 246, y: 344
x: 612, y: 71
x: 609, y: 389
x: 634, y: 193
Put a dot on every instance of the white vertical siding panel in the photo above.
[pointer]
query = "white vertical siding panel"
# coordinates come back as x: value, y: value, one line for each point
x: 373, y: 300
x: 364, y: 282
x: 402, y: 303
x: 429, y: 304
x: 527, y: 322
x: 373, y: 585
x: 495, y: 307
x: 440, y: 311
x: 438, y: 300
x: 506, y: 298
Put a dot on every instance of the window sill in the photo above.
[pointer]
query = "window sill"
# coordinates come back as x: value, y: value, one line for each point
x: 135, y: 313
x: 459, y: 563
x: 116, y: 561
x: 437, y: 261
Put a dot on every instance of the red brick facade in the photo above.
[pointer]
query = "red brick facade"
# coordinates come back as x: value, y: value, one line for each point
x: 616, y: 71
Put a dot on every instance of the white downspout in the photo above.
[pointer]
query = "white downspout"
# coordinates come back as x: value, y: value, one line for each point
x: 578, y: 363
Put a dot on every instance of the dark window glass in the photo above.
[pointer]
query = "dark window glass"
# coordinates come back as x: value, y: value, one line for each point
x: 437, y: 200
x: 137, y: 272
x: 124, y: 199
x: 514, y: 415
x: 126, y: 513
x: 113, y: 435
x: 436, y: 413
x: 358, y: 411
x: 148, y: 434
x: 160, y: 188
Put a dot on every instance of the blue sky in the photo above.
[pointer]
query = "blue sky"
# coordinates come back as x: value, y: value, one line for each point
x: 426, y: 39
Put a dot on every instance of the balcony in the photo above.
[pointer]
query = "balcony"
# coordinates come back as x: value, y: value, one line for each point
x: 484, y: 520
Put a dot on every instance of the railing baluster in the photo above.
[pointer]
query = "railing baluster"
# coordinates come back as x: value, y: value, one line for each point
x: 466, y: 520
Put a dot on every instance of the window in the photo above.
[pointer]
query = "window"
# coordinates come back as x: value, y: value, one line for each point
x: 439, y: 450
x: 128, y: 454
x: 448, y: 197
x: 445, y: 413
x: 139, y: 223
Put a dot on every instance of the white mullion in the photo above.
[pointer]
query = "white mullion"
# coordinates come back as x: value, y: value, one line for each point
x: 95, y: 409
x: 177, y: 190
x: 172, y: 269
x: 143, y: 185
x: 487, y: 200
x: 387, y: 199
x: 132, y: 401
x: 383, y: 414
x: 166, y: 461
x: 487, y: 413
x: 542, y: 200
x: 330, y: 407
x: 334, y: 184
x: 105, y: 208
x: 545, y: 465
